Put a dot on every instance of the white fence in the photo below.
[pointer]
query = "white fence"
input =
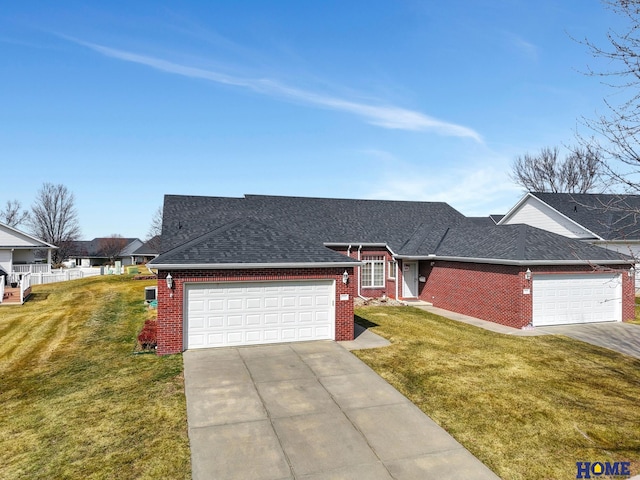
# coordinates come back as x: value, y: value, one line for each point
x: 1, y: 287
x: 25, y: 284
x: 32, y: 268
x: 63, y: 275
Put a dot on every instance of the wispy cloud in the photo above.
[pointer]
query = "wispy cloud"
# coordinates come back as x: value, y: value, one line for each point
x: 474, y: 189
x: 386, y: 116
x: 529, y: 49
x: 473, y: 192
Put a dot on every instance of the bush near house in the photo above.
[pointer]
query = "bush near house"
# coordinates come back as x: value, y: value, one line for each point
x: 148, y: 336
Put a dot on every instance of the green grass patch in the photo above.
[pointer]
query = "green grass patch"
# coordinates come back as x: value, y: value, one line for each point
x: 528, y: 407
x: 76, y: 402
x: 636, y: 320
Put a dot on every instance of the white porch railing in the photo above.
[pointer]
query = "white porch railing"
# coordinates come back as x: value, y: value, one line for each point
x: 1, y: 287
x: 25, y: 284
x: 33, y: 268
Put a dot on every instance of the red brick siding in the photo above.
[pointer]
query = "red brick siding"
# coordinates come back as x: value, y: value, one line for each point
x: 389, y: 288
x: 171, y: 302
x: 495, y: 292
x: 485, y: 291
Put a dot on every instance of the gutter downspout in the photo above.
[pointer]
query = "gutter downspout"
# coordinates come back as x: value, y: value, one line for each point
x: 397, y: 279
x: 360, y: 273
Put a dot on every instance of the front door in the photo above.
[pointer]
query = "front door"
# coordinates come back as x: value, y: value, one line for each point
x: 410, y: 279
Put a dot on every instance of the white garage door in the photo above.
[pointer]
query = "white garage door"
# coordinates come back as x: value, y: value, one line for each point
x: 251, y: 313
x: 576, y: 298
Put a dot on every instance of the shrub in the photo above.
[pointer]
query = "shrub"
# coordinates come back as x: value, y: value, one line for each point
x: 148, y: 336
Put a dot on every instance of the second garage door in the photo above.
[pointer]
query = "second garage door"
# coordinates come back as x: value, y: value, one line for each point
x: 576, y: 298
x: 251, y: 313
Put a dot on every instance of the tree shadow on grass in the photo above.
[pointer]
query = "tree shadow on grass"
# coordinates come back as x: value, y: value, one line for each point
x: 38, y: 297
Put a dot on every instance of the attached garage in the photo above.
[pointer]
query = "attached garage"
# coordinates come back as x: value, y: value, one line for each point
x: 251, y: 313
x: 577, y: 298
x: 270, y: 269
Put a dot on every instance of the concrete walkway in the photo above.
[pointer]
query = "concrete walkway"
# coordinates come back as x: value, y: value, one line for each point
x: 309, y: 410
x: 617, y: 336
x: 476, y: 322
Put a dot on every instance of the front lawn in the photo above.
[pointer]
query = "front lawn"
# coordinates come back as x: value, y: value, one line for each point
x: 528, y: 407
x: 76, y: 402
x: 636, y: 320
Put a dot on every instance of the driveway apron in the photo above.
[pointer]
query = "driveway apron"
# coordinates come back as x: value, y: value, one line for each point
x: 616, y: 336
x: 309, y: 410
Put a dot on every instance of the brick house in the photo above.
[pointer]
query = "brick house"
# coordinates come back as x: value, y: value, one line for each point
x: 267, y: 269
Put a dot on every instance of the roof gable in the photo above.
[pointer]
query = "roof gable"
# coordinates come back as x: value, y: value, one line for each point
x: 11, y: 237
x: 533, y: 211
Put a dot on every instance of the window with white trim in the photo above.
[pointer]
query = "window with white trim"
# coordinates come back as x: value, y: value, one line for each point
x: 373, y: 272
x: 391, y: 269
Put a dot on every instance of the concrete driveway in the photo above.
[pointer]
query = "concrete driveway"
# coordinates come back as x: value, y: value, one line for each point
x: 309, y: 411
x: 616, y: 336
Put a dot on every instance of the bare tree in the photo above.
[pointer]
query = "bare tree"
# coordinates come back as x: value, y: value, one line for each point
x: 13, y: 214
x: 616, y: 133
x: 579, y: 172
x: 155, y: 230
x: 54, y: 218
x: 111, y: 246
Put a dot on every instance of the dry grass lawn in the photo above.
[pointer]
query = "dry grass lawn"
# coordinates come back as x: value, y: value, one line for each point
x: 528, y: 407
x: 637, y: 319
x: 76, y: 402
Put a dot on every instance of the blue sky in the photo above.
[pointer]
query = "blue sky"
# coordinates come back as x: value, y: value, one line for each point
x: 124, y: 101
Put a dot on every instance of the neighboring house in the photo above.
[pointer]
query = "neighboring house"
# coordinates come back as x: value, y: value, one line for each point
x: 147, y: 252
x: 103, y: 250
x: 607, y: 220
x: 20, y: 255
x: 267, y: 269
x: 23, y: 253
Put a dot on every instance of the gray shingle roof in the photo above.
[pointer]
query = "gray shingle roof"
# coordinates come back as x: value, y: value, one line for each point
x: 262, y: 229
x: 324, y: 220
x: 482, y: 221
x: 148, y: 248
x: 247, y: 241
x: 519, y: 243
x: 611, y: 217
